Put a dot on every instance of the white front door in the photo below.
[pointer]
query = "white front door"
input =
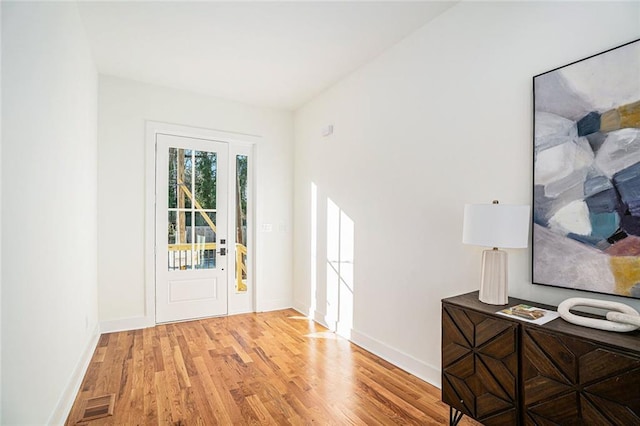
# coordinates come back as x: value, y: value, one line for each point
x: 191, y: 226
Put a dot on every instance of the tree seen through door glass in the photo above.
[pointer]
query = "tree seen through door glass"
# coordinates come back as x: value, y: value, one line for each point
x: 205, y: 182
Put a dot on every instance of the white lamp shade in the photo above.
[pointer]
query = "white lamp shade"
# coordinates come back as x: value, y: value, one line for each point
x: 496, y: 225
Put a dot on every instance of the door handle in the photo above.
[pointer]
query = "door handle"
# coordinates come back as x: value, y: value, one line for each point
x: 223, y: 251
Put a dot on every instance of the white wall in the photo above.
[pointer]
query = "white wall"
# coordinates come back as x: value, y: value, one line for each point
x: 124, y: 106
x: 0, y: 219
x: 441, y: 119
x: 49, y: 210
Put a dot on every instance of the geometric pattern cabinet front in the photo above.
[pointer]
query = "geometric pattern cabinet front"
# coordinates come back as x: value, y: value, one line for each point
x: 501, y: 371
x: 480, y: 366
x: 571, y: 381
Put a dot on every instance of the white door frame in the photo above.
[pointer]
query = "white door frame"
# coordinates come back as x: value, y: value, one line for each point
x: 243, y: 141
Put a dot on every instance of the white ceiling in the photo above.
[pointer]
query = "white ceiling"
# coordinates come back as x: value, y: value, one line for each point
x: 274, y: 54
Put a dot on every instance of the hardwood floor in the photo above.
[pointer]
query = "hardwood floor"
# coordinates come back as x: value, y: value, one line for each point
x: 269, y: 368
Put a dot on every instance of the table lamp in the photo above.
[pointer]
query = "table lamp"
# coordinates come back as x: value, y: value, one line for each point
x: 498, y: 226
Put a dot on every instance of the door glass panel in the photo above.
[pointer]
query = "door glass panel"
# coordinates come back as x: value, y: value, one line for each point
x: 179, y: 240
x: 185, y: 171
x: 171, y: 229
x: 183, y: 227
x: 173, y: 178
x: 191, y: 221
x: 205, y: 240
x: 205, y: 181
x: 241, y: 224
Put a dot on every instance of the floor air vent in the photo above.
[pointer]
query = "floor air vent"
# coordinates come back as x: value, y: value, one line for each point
x: 98, y: 407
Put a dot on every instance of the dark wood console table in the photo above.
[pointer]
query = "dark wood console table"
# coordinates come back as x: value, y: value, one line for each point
x: 502, y: 371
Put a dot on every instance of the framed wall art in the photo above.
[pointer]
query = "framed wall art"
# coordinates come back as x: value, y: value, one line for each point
x: 586, y: 178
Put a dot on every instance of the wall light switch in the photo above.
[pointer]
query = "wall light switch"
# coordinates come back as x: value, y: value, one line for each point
x: 267, y: 227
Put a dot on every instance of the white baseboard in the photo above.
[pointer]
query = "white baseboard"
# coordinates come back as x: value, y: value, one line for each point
x: 126, y: 324
x: 398, y: 358
x: 63, y: 408
x: 273, y: 305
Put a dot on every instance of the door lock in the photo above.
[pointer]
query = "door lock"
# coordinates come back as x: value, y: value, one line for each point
x: 223, y: 251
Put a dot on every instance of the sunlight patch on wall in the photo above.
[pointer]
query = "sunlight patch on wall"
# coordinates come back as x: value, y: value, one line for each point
x: 340, y: 261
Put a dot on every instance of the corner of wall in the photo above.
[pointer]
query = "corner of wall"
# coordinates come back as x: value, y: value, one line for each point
x: 273, y: 305
x: 302, y: 308
x: 126, y: 324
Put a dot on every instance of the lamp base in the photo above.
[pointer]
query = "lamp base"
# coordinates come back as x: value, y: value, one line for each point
x: 493, y: 287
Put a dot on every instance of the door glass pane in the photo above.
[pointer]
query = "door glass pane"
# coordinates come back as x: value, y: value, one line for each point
x: 191, y: 216
x: 173, y: 178
x: 205, y: 179
x: 179, y: 240
x: 241, y: 223
x: 171, y: 231
x: 180, y: 173
x: 184, y: 172
x: 205, y: 240
x: 183, y: 226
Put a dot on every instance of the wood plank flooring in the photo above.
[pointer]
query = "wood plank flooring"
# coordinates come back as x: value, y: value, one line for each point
x: 274, y: 368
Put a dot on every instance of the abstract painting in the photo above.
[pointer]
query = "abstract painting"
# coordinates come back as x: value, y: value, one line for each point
x: 586, y: 194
